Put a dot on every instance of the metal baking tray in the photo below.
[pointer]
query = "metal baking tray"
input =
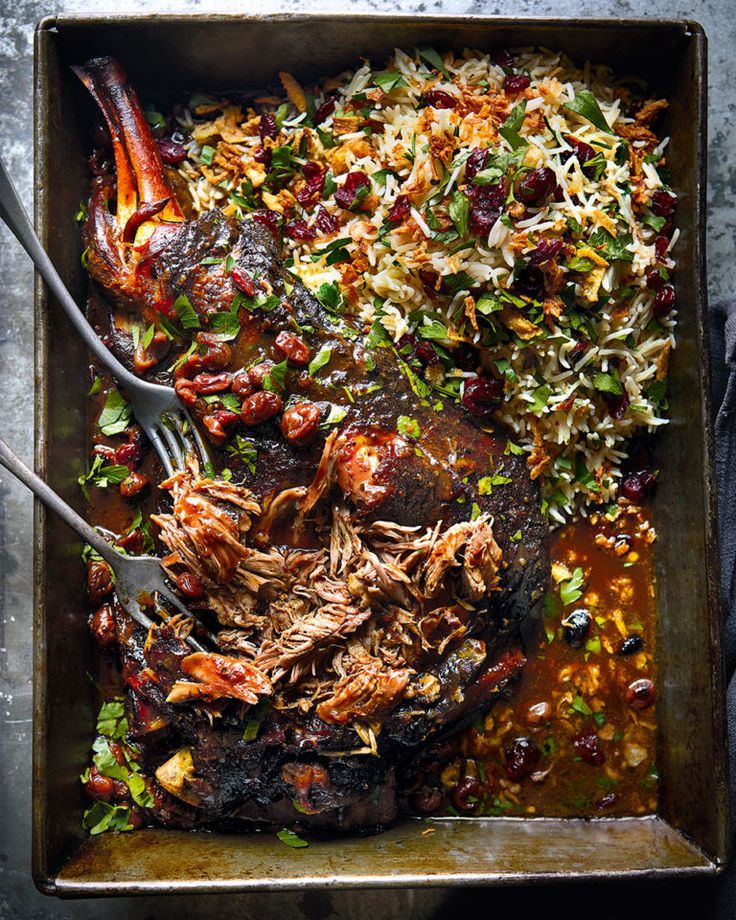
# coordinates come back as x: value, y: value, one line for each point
x: 220, y: 52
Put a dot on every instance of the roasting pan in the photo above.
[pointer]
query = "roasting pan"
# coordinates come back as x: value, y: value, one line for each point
x: 689, y: 834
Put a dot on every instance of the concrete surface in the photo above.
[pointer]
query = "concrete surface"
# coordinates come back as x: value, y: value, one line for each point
x: 18, y: 898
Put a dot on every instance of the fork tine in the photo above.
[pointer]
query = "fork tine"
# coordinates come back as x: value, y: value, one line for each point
x: 172, y: 599
x: 198, y: 440
x: 174, y: 446
x: 155, y: 438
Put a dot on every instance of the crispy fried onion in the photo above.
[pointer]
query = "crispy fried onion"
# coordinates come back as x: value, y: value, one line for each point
x: 343, y: 630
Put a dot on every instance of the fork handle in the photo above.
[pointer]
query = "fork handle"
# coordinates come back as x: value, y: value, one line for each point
x: 13, y: 214
x: 15, y: 465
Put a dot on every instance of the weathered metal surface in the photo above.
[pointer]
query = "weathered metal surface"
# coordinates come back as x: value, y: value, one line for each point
x: 165, y: 54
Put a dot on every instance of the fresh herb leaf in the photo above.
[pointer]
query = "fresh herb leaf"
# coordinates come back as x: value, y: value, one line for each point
x: 111, y: 720
x: 613, y: 247
x: 511, y: 127
x: 116, y: 414
x: 330, y: 297
x: 226, y: 325
x: 336, y: 415
x: 245, y: 450
x: 291, y: 839
x: 541, y: 398
x: 608, y: 383
x: 432, y: 57
x: 586, y: 105
x: 459, y: 211
x: 388, y: 80
x: 275, y: 379
x: 206, y: 155
x: 409, y: 427
x: 320, y: 360
x: 433, y: 329
x: 570, y: 591
x: 103, y: 817
x: 186, y: 313
x: 579, y: 705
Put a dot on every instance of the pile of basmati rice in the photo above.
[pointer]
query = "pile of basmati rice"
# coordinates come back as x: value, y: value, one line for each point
x: 584, y: 363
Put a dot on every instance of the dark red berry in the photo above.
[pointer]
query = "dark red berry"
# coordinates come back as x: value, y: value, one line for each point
x: 190, y: 585
x: 661, y: 245
x: 426, y: 354
x: 399, y: 210
x: 575, y: 627
x: 466, y: 357
x: 654, y: 278
x: 663, y: 203
x: 243, y: 281
x: 664, y: 301
x: 637, y: 487
x: 466, y: 795
x: 584, y: 152
x: 589, y: 749
x: 439, y: 99
x: 537, y: 186
x: 315, y: 182
x: 325, y: 110
x: 171, y: 152
x: 325, y: 222
x: 640, y: 694
x: 353, y: 191
x: 486, y: 205
x: 502, y: 57
x: 618, y: 405
x: 522, y: 756
x: 476, y: 162
x: 546, y: 250
x: 270, y: 219
x: 299, y: 230
x: 606, y: 801
x: 481, y: 395
x: 516, y: 83
x: 267, y: 126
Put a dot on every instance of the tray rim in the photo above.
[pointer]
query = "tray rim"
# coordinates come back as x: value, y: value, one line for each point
x: 690, y: 28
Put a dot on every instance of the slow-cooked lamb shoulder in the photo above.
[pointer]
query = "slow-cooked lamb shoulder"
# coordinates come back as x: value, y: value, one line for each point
x: 368, y: 593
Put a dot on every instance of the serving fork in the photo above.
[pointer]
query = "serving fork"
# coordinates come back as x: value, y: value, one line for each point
x: 138, y: 579
x: 156, y: 408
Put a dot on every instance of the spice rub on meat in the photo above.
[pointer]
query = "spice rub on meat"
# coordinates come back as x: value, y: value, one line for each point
x: 368, y: 591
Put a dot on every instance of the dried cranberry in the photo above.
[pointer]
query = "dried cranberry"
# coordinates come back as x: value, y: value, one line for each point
x: 481, y: 395
x: 299, y: 230
x: 439, y: 99
x: 324, y: 111
x: 654, y: 278
x: 664, y: 301
x: 300, y: 422
x: 516, y: 83
x: 243, y: 281
x: 546, y: 250
x: 661, y: 245
x: 171, y: 152
x: 268, y: 126
x: 584, y: 152
x: 466, y: 357
x: 575, y: 627
x: 468, y: 788
x: 502, y: 57
x: 241, y: 385
x: 637, y: 487
x: 190, y: 585
x: 314, y: 175
x: 326, y: 222
x: 353, y: 191
x: 606, y: 801
x: 207, y: 384
x: 260, y: 407
x: 588, y: 748
x: 429, y: 281
x: 399, y: 210
x: 263, y: 155
x: 630, y: 646
x: 425, y: 353
x: 537, y: 186
x: 522, y: 756
x: 270, y: 219
x: 530, y: 281
x: 133, y: 484
x: 618, y: 405
x: 486, y: 205
x: 292, y: 347
x: 476, y: 162
x: 640, y: 694
x: 663, y: 203
x: 99, y: 786
x: 128, y: 455
x: 102, y: 626
x: 427, y: 800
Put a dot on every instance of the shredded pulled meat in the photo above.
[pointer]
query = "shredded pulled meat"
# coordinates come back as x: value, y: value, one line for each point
x: 344, y: 631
